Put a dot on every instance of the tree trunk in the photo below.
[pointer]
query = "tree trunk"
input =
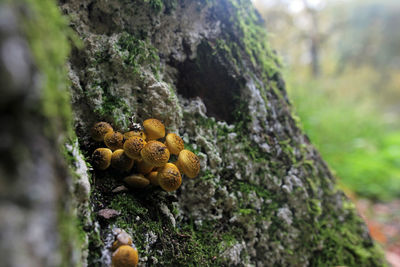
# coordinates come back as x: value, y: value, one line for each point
x: 264, y: 196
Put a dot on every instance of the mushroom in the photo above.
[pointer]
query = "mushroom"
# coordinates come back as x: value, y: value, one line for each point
x: 120, y: 161
x: 133, y: 146
x: 144, y: 168
x: 169, y: 177
x: 155, y: 153
x: 188, y: 163
x: 152, y: 176
x: 174, y: 143
x: 154, y: 128
x: 99, y: 130
x: 125, y: 256
x: 130, y: 134
x: 136, y: 181
x: 114, y: 140
x: 101, y: 158
x: 122, y: 239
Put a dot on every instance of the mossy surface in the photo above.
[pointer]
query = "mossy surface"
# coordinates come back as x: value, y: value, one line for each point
x: 48, y: 35
x: 264, y: 196
x: 48, y: 110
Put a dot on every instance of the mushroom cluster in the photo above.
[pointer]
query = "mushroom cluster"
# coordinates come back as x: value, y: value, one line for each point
x: 145, y: 152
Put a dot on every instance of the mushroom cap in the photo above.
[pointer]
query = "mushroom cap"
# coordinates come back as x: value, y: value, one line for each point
x: 169, y: 177
x: 188, y: 163
x: 121, y: 239
x: 99, y: 130
x: 125, y: 256
x: 153, y: 177
x: 130, y: 134
x: 174, y: 143
x: 114, y: 140
x: 154, y: 128
x: 155, y: 153
x: 136, y: 181
x: 101, y: 158
x: 120, y: 161
x: 133, y: 146
x: 143, y: 167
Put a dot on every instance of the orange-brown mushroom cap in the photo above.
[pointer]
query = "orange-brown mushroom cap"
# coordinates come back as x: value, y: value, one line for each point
x: 125, y: 256
x: 120, y: 161
x: 188, y: 163
x: 114, y: 140
x: 130, y: 134
x: 137, y: 181
x: 174, y: 143
x: 155, y: 153
x: 133, y: 146
x: 169, y: 177
x: 101, y: 158
x: 154, y: 128
x: 99, y: 130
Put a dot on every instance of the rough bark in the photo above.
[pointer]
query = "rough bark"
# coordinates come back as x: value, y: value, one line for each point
x: 264, y: 196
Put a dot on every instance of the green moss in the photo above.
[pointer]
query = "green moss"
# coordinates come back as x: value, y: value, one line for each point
x: 72, y: 237
x: 48, y: 35
x: 112, y: 106
x: 138, y: 53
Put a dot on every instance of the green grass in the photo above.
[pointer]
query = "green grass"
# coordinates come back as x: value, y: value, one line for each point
x: 342, y: 117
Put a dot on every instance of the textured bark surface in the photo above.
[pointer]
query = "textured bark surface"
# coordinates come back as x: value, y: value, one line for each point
x: 264, y: 197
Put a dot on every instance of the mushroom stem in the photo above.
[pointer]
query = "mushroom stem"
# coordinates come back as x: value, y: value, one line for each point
x: 144, y: 168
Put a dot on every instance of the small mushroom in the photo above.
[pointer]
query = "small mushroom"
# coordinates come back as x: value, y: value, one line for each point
x: 130, y: 134
x: 114, y: 140
x: 133, y: 146
x: 174, y: 143
x: 188, y: 163
x: 155, y: 153
x: 169, y: 177
x: 101, y: 158
x: 99, y: 130
x: 154, y: 128
x: 144, y: 168
x: 136, y: 181
x: 153, y: 177
x: 125, y: 256
x: 122, y: 238
x: 120, y: 161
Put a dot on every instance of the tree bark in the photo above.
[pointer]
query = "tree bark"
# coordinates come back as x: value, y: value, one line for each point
x: 264, y: 196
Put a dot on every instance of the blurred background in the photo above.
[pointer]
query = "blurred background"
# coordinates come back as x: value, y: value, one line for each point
x: 341, y: 62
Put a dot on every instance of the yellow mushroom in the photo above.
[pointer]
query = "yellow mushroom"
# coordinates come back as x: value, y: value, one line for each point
x: 188, y: 163
x: 155, y: 153
x: 169, y: 177
x: 130, y: 134
x: 120, y: 161
x: 154, y: 128
x: 99, y: 130
x: 133, y: 146
x: 125, y: 256
x: 101, y: 158
x: 174, y: 143
x: 136, y: 181
x: 153, y: 177
x: 144, y: 168
x: 114, y: 140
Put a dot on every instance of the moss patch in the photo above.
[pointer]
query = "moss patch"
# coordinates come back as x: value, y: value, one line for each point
x: 48, y: 35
